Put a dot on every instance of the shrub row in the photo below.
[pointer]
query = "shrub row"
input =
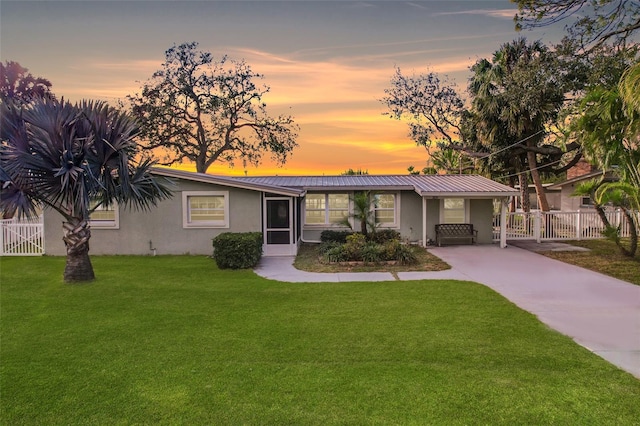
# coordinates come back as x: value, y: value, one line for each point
x: 379, y: 236
x: 237, y: 250
x: 358, y: 248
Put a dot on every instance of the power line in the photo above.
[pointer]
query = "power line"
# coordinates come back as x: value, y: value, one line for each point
x: 530, y: 170
x: 513, y: 144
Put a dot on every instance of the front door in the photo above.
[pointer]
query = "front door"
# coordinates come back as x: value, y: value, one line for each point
x: 278, y: 227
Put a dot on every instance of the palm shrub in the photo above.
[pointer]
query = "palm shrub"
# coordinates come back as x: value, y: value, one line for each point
x: 363, y: 213
x: 73, y: 158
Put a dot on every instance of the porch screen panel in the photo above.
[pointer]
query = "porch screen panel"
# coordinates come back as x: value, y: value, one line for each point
x: 278, y: 222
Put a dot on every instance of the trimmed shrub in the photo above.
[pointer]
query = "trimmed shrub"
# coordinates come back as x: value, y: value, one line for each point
x: 237, y: 250
x: 329, y: 236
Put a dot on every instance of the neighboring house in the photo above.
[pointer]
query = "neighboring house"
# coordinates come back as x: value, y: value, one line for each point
x: 552, y: 192
x: 580, y: 173
x: 287, y: 210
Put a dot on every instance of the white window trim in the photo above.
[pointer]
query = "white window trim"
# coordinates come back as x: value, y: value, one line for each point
x: 326, y: 209
x: 202, y: 224
x: 396, y: 211
x: 467, y: 216
x: 107, y: 224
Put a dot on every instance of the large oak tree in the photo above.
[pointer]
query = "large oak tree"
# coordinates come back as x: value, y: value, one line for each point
x: 203, y: 110
x: 591, y: 23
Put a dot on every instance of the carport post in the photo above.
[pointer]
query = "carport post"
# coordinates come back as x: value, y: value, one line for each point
x: 424, y: 222
x: 503, y: 222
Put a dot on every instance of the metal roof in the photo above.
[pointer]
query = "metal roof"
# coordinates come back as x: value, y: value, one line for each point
x: 425, y: 185
x: 225, y: 181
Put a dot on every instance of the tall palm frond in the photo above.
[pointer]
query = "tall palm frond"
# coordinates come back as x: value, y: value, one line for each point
x: 629, y: 87
x: 73, y: 158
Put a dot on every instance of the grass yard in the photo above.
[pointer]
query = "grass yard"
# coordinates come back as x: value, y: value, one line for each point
x: 604, y: 257
x: 173, y: 340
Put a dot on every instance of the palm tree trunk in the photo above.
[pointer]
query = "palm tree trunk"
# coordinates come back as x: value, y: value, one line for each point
x: 633, y: 231
x: 524, y: 192
x: 76, y: 238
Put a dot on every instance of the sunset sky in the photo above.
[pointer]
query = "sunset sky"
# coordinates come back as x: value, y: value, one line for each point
x: 327, y: 62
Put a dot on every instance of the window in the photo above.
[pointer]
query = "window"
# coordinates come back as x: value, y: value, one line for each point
x: 586, y: 202
x: 325, y: 209
x: 454, y: 210
x: 104, y: 217
x: 205, y: 209
x: 384, y: 209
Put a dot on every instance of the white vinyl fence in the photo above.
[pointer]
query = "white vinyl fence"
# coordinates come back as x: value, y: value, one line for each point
x: 541, y: 226
x: 21, y: 237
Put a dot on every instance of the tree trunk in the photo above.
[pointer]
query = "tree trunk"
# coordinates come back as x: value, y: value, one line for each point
x: 76, y: 238
x: 543, y: 204
x: 524, y: 191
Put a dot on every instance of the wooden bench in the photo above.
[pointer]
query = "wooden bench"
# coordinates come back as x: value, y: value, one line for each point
x: 455, y: 232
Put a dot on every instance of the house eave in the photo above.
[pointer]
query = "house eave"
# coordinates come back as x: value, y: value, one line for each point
x: 224, y: 181
x: 476, y: 195
x: 358, y: 188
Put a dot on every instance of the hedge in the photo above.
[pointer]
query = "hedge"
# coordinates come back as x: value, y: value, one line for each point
x: 237, y: 250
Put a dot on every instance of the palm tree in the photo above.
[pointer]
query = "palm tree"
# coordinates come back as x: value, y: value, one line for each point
x: 72, y: 159
x: 609, y: 133
x: 629, y: 87
x: 363, y: 212
x: 515, y: 95
x: 451, y: 161
x: 618, y: 194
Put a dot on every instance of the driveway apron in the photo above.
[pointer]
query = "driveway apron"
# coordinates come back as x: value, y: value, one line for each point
x: 598, y: 312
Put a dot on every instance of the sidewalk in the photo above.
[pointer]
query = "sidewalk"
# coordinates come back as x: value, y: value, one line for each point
x: 598, y: 312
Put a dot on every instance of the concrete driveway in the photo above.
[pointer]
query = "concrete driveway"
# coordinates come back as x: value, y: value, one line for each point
x: 598, y: 312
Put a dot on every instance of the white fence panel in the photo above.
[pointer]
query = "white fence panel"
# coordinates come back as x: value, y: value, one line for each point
x: 579, y: 225
x: 21, y: 237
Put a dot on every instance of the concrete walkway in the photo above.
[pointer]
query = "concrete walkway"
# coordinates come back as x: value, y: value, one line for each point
x: 598, y: 312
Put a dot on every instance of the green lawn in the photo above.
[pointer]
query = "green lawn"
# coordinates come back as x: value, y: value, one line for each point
x: 173, y: 340
x: 604, y: 257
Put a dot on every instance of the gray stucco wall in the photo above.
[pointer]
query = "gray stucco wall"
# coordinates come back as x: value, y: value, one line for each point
x: 569, y: 203
x: 433, y: 218
x: 411, y: 216
x: 481, y: 216
x: 162, y: 226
